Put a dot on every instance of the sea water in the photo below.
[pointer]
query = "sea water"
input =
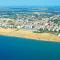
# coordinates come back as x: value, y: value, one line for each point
x: 12, y: 48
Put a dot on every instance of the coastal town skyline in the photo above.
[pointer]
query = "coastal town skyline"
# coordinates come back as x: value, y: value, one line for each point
x: 31, y: 20
x: 37, y: 20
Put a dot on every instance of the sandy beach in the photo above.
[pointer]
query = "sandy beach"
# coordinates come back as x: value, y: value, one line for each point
x: 29, y: 34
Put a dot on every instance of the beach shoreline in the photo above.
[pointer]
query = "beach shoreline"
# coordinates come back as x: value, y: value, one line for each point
x: 29, y: 34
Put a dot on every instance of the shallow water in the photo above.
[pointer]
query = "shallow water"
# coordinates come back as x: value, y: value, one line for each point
x: 12, y: 48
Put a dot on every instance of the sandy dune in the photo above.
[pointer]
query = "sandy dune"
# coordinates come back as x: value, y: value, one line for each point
x: 29, y: 34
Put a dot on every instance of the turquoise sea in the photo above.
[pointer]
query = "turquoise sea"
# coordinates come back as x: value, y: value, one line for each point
x: 12, y: 48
